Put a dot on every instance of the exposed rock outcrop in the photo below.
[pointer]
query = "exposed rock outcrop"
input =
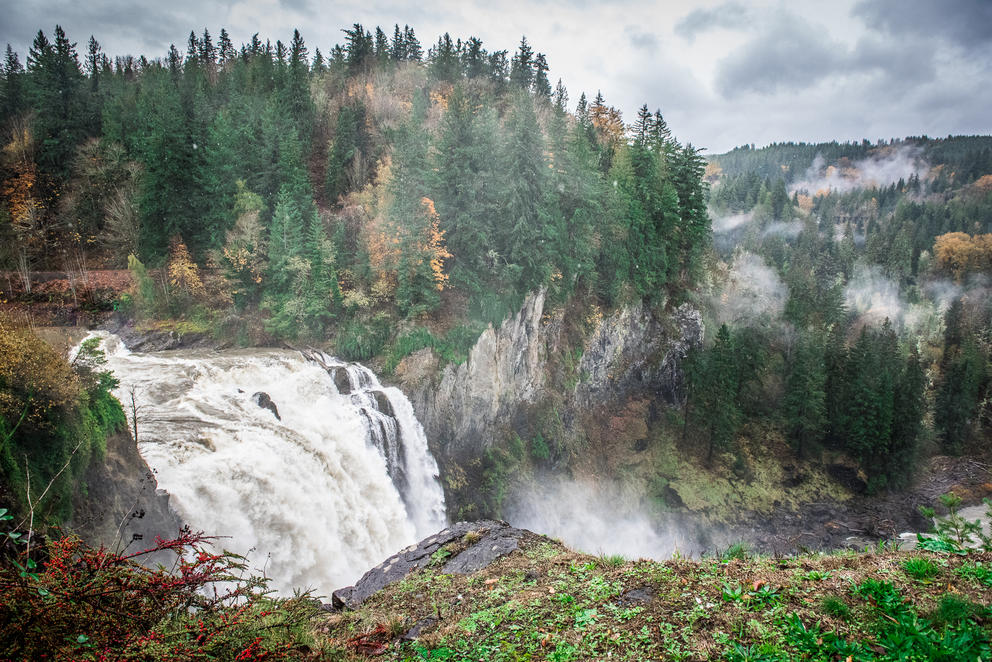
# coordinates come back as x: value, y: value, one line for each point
x: 469, y: 406
x: 264, y: 401
x: 477, y: 544
x: 122, y: 506
x: 634, y: 349
x: 156, y: 340
x: 505, y: 369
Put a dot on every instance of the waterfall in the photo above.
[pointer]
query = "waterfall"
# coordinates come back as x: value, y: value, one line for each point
x: 341, y: 479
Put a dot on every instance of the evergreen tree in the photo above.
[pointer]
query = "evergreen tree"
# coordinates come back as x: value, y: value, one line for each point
x: 414, y: 53
x: 805, y: 396
x: 298, y: 87
x: 779, y: 200
x: 317, y: 66
x: 444, y: 63
x: 963, y: 373
x: 720, y: 410
x: 12, y: 93
x: 359, y: 49
x: 225, y: 49
x: 285, y: 239
x: 907, y: 421
x: 542, y: 86
x: 475, y: 59
x: 694, y: 221
x: 55, y: 92
x: 560, y: 98
x: 522, y: 66
x: 349, y: 158
x: 397, y: 47
x: 643, y: 129
x: 382, y: 49
x: 522, y: 237
x: 411, y: 216
x: 466, y: 199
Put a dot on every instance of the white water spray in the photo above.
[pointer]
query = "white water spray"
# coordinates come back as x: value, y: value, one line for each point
x: 340, y: 482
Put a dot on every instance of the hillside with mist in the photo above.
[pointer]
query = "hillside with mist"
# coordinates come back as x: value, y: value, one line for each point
x: 859, y: 271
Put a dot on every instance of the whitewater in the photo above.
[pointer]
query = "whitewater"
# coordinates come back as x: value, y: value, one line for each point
x: 343, y: 480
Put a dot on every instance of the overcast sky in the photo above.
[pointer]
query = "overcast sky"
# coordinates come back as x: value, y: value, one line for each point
x: 722, y: 73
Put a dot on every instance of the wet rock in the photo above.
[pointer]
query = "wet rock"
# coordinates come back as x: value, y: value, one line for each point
x: 468, y: 406
x: 382, y: 403
x: 263, y: 400
x: 493, y: 545
x: 494, y: 539
x: 341, y: 380
x: 636, y: 596
x: 158, y: 340
x: 123, y: 505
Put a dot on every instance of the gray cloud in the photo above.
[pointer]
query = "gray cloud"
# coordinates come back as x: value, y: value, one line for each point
x: 642, y: 39
x: 891, y: 68
x: 788, y: 55
x: 296, y: 5
x: 892, y: 62
x: 732, y: 15
x: 963, y: 23
x: 121, y: 30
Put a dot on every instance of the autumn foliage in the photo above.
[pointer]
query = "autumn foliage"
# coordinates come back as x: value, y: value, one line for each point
x: 434, y: 244
x: 184, y: 275
x: 960, y: 254
x: 81, y: 603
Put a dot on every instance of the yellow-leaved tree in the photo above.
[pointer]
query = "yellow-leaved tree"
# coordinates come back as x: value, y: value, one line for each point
x: 960, y: 254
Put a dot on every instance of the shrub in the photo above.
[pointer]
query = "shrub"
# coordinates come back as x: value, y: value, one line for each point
x: 739, y: 550
x: 358, y: 341
x: 953, y: 609
x: 539, y: 448
x: 84, y: 603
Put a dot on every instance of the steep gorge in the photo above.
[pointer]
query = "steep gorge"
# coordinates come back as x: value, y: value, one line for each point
x: 545, y: 374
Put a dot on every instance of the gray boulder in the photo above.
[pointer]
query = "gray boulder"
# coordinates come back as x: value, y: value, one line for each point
x: 490, y: 540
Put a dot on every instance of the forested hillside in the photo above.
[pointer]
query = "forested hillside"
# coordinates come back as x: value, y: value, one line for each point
x: 853, y: 298
x: 268, y: 191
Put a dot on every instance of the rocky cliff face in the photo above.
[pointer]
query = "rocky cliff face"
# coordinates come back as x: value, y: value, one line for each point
x: 466, y: 408
x: 633, y: 349
x: 122, y: 507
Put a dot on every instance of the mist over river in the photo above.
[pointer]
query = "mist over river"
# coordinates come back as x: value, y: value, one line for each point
x: 338, y: 482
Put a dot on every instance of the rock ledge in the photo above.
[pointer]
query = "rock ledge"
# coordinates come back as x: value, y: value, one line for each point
x: 485, y: 541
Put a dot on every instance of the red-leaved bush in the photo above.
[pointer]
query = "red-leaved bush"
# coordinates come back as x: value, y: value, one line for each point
x: 81, y: 603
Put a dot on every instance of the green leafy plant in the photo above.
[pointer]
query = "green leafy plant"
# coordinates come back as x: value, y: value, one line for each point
x: 738, y: 550
x: 921, y: 568
x: 976, y: 571
x: 732, y: 592
x: 817, y: 575
x: 441, y: 555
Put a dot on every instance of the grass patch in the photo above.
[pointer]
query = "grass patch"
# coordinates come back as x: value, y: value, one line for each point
x: 831, y: 605
x: 544, y: 602
x: 921, y: 568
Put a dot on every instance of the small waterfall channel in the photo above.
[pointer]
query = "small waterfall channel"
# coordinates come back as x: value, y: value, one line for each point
x: 315, y: 496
